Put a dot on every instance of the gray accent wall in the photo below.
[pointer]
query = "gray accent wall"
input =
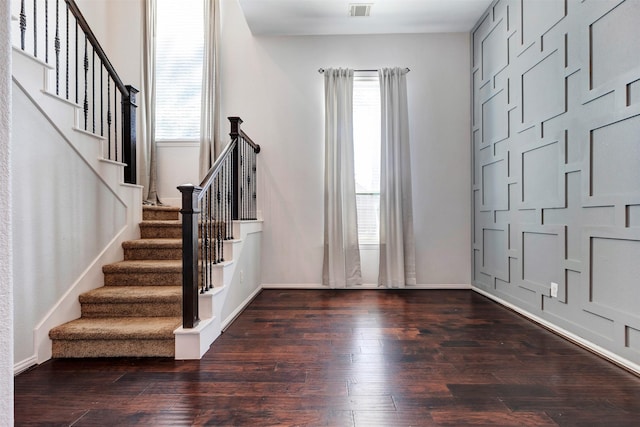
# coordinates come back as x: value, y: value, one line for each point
x: 556, y: 164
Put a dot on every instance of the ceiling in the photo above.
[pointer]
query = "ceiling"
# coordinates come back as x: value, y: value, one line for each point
x: 326, y: 17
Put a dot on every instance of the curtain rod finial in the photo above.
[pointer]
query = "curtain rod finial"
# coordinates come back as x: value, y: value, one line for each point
x: 321, y: 70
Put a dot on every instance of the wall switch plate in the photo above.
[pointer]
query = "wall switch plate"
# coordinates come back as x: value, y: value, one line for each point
x: 554, y: 290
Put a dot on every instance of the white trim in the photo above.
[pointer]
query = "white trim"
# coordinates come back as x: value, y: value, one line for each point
x: 192, y: 344
x: 588, y: 345
x: 25, y: 364
x: 238, y: 311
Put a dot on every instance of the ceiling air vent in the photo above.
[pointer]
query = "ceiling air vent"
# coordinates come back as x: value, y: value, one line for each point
x: 360, y: 9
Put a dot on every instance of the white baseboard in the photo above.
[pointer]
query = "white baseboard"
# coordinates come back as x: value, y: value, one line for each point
x: 25, y: 364
x: 365, y: 286
x: 226, y: 322
x: 588, y: 345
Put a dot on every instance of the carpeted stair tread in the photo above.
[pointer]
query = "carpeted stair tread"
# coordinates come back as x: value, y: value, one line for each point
x: 161, y: 223
x: 132, y: 295
x: 113, y: 328
x: 144, y: 266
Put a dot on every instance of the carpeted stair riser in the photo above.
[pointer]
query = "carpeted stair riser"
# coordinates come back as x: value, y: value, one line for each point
x: 116, y: 337
x: 112, y: 348
x: 161, y: 230
x: 132, y: 301
x: 172, y: 230
x: 160, y: 213
x: 143, y: 273
x: 150, y: 251
x: 131, y: 310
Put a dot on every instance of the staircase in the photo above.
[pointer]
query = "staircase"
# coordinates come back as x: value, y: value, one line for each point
x: 137, y: 310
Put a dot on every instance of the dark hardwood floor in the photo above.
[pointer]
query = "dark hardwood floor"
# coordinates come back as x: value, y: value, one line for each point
x: 347, y: 358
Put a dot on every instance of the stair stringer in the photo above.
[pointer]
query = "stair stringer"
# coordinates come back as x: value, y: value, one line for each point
x: 221, y: 305
x: 30, y: 77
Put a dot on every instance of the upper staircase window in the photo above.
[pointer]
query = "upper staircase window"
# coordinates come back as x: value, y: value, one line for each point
x: 179, y: 54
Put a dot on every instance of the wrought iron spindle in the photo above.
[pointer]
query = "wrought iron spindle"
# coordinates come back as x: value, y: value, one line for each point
x: 76, y: 64
x: 66, y: 85
x: 23, y: 25
x: 35, y: 28
x: 56, y: 45
x: 218, y: 221
x: 101, y: 99
x: 115, y: 124
x: 85, y: 105
x: 93, y: 90
x: 211, y: 257
x: 109, y: 116
x: 46, y: 31
x: 255, y: 185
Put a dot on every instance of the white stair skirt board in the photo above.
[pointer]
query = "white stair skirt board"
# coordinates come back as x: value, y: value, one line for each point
x: 588, y: 345
x: 192, y: 344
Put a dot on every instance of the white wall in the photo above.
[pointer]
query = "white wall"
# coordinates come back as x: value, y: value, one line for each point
x: 273, y: 84
x: 6, y: 265
x: 118, y: 25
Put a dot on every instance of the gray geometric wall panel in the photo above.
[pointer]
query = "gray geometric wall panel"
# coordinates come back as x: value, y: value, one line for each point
x: 556, y: 164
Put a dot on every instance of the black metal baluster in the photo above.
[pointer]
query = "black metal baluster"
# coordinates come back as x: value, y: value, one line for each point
x: 101, y: 99
x: 115, y: 123
x: 218, y: 220
x: 93, y: 90
x: 230, y: 194
x: 245, y: 192
x: 211, y: 255
x: 46, y: 31
x: 66, y: 85
x: 35, y: 28
x: 204, y: 242
x: 255, y: 185
x: 23, y: 24
x: 56, y: 45
x: 109, y: 115
x: 86, y: 85
x: 76, y: 64
x: 241, y: 180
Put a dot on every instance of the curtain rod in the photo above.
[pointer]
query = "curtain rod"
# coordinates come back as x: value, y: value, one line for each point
x: 321, y: 70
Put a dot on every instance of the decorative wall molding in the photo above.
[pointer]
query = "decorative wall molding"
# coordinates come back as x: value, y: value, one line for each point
x: 556, y: 165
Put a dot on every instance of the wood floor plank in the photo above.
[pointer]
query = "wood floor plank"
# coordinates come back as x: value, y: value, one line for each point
x: 360, y: 358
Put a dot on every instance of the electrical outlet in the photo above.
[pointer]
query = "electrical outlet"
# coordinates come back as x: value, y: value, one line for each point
x: 554, y: 290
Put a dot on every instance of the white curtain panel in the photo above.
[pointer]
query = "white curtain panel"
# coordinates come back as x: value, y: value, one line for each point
x: 397, y: 246
x: 341, y: 267
x: 147, y: 151
x: 209, y: 115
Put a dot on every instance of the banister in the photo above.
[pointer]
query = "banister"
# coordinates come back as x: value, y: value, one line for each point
x: 97, y: 88
x: 73, y: 7
x: 226, y: 193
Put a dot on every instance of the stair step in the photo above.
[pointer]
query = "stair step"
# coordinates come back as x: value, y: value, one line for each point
x: 152, y: 249
x: 161, y: 229
x: 128, y: 301
x: 169, y: 229
x: 115, y: 337
x: 151, y: 213
x: 143, y: 273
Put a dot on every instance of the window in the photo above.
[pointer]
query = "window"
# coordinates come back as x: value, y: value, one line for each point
x: 179, y: 53
x: 366, y: 147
